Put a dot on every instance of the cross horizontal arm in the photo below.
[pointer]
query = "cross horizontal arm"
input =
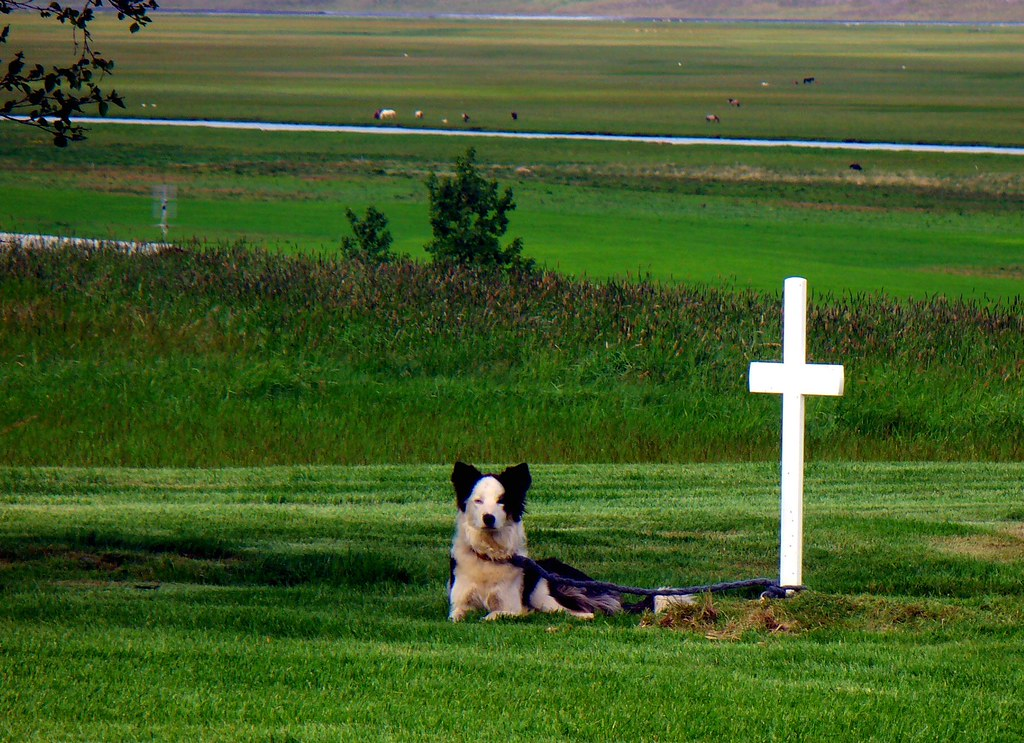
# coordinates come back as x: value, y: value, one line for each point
x: 802, y: 379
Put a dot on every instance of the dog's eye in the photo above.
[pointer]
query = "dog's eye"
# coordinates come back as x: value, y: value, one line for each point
x: 478, y: 501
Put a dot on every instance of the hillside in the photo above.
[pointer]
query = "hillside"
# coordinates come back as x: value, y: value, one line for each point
x: 990, y: 11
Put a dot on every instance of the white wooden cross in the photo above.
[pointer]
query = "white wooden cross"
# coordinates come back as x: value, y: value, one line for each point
x: 794, y: 379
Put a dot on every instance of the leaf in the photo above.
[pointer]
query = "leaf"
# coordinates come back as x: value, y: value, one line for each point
x: 16, y: 65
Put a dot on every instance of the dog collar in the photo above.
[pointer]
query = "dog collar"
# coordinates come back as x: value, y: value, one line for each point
x: 488, y: 558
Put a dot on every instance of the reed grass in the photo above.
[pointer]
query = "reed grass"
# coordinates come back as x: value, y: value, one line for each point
x: 233, y: 355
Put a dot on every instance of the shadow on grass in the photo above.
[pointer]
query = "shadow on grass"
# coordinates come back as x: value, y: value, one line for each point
x: 195, y: 559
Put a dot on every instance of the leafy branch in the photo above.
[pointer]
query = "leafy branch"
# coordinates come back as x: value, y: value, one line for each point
x: 48, y: 98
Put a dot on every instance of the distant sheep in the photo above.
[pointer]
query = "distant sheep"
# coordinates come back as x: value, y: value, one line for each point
x: 712, y: 119
x: 809, y: 81
x: 734, y: 102
x: 385, y: 114
x: 419, y: 114
x: 465, y: 118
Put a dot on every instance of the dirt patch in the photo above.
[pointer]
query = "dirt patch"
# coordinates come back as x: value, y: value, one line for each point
x: 732, y: 619
x: 700, y: 536
x: 833, y: 207
x: 1005, y: 546
x: 108, y: 562
x: 1015, y: 272
x: 706, y: 618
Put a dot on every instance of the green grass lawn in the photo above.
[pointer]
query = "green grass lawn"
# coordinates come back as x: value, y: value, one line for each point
x: 911, y: 225
x: 309, y: 603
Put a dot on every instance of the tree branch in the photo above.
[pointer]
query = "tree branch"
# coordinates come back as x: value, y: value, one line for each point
x: 49, y: 98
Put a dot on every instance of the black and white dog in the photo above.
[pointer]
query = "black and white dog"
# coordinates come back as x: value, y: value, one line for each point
x: 488, y: 531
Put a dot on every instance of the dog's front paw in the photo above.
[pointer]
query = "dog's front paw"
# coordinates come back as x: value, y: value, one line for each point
x: 457, y: 615
x: 503, y: 614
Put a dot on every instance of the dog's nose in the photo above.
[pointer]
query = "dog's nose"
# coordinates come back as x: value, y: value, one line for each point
x: 489, y: 520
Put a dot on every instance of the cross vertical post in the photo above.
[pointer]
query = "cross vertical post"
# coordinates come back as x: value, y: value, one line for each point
x: 794, y: 379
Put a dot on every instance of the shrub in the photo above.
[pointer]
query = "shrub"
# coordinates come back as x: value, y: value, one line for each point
x: 468, y: 218
x: 372, y: 239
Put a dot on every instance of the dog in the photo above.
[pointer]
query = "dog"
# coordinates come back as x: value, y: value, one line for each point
x: 488, y: 532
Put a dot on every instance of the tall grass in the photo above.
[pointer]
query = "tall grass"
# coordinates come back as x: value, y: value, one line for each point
x: 236, y: 355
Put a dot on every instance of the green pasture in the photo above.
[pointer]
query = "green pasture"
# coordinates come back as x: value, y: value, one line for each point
x: 834, y: 10
x: 909, y: 224
x: 309, y: 604
x: 875, y: 83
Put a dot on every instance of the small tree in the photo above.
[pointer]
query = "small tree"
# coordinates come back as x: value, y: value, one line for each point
x: 469, y: 217
x: 372, y: 239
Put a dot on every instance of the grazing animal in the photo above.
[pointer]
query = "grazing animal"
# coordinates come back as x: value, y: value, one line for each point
x: 734, y: 102
x: 465, y: 118
x: 419, y: 114
x: 856, y: 166
x: 489, y: 531
x: 808, y: 80
x: 712, y: 119
x: 385, y: 114
x: 515, y: 116
x: 444, y: 121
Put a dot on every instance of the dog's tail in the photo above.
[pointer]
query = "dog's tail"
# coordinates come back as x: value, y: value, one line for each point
x: 587, y: 599
x: 601, y: 601
x: 582, y: 599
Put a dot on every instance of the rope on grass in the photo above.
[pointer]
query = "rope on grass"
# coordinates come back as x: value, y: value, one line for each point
x: 771, y: 588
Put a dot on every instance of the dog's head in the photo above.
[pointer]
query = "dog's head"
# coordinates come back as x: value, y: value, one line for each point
x: 491, y: 501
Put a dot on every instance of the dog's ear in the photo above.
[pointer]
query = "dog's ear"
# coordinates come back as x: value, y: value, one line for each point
x: 464, y: 477
x: 516, y: 481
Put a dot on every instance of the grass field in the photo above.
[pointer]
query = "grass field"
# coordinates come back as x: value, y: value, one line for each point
x: 842, y: 10
x: 244, y: 357
x: 932, y: 84
x: 140, y: 599
x: 911, y: 225
x: 309, y: 604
